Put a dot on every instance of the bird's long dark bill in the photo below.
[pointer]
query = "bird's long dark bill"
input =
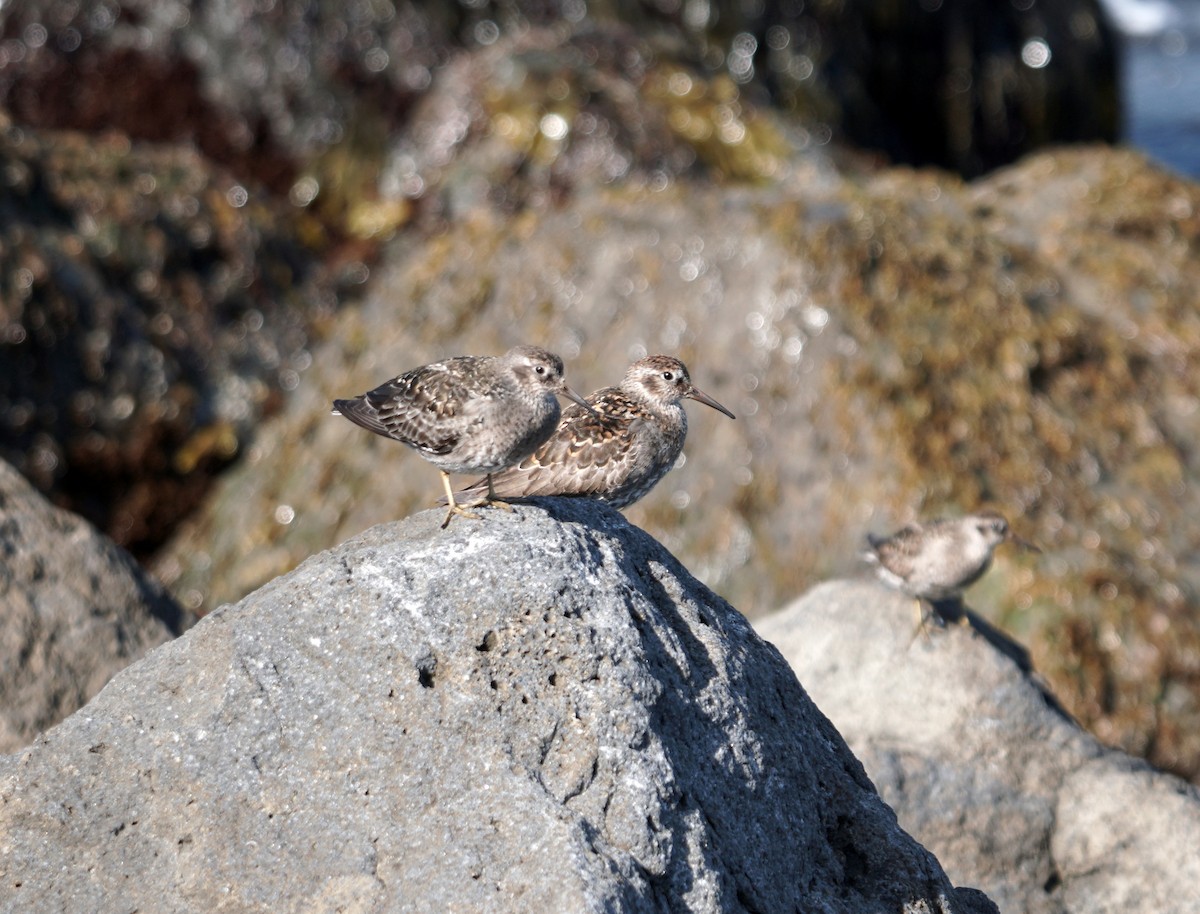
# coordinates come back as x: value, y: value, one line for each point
x: 709, y: 401
x: 570, y: 394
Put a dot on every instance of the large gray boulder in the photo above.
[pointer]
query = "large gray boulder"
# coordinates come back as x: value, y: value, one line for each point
x: 537, y: 711
x: 983, y: 767
x: 74, y: 609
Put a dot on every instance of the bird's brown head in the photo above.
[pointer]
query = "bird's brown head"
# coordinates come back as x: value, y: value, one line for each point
x: 663, y: 380
x: 539, y: 370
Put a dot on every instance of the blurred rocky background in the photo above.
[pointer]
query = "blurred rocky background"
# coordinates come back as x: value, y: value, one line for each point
x: 856, y: 222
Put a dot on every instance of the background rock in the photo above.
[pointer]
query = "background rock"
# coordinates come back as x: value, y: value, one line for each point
x: 968, y: 86
x: 273, y: 94
x: 153, y: 312
x: 76, y: 610
x: 983, y: 767
x: 541, y: 710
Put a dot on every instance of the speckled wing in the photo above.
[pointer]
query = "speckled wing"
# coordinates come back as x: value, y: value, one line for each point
x: 588, y: 453
x: 897, y: 552
x: 420, y: 407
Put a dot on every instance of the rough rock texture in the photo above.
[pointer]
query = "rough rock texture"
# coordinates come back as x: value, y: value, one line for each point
x: 75, y: 609
x: 982, y: 766
x: 538, y: 711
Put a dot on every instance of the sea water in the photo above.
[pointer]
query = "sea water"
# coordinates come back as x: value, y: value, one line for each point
x: 1161, y: 78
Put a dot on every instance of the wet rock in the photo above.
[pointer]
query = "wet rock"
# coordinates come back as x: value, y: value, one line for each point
x: 76, y: 610
x: 153, y: 311
x: 539, y: 710
x: 982, y: 765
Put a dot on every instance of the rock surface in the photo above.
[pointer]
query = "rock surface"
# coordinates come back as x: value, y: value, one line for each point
x: 982, y: 766
x: 76, y: 608
x: 538, y: 711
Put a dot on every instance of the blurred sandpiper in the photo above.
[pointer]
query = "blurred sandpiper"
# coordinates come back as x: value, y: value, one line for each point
x: 471, y: 414
x: 936, y: 561
x: 619, y: 449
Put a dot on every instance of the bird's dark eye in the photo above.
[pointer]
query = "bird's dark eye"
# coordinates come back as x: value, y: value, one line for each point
x: 667, y: 376
x: 541, y: 369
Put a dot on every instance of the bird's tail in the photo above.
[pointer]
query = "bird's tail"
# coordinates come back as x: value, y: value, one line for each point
x: 360, y: 413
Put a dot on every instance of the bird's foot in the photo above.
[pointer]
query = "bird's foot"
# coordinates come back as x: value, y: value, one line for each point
x: 492, y: 499
x: 927, y: 615
x: 461, y: 511
x: 486, y: 501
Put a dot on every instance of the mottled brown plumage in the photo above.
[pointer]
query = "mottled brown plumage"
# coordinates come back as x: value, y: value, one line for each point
x: 471, y: 414
x: 617, y: 451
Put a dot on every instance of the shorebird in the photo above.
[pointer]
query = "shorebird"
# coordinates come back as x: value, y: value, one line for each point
x: 618, y: 448
x: 471, y: 414
x: 936, y: 561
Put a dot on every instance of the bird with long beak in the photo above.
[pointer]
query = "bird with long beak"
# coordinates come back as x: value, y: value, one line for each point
x: 617, y: 448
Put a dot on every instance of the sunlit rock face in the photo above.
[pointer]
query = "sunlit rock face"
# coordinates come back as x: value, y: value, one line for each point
x: 540, y: 710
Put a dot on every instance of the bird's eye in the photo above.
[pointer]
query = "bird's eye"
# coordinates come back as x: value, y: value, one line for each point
x: 540, y: 369
x: 667, y: 376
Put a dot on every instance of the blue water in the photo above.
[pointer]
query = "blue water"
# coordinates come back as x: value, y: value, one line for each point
x: 1161, y: 79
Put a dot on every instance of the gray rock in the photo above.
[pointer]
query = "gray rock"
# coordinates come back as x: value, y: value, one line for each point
x: 76, y: 608
x: 983, y: 767
x: 538, y: 711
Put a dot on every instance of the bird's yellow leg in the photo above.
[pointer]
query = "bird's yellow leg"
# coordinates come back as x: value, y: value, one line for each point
x: 493, y: 500
x: 923, y: 613
x: 455, y: 508
x: 489, y: 499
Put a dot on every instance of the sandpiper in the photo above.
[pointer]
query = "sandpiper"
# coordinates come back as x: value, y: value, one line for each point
x: 619, y: 448
x: 471, y: 414
x: 936, y: 561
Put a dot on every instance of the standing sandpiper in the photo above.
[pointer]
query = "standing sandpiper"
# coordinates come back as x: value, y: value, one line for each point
x: 936, y: 561
x: 619, y: 448
x: 471, y: 414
